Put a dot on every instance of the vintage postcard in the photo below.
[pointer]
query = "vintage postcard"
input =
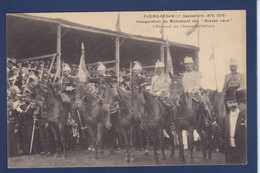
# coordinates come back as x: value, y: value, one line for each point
x: 113, y: 89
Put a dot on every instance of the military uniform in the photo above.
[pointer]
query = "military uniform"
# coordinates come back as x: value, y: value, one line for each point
x: 138, y: 84
x: 22, y: 113
x: 160, y: 87
x: 191, y: 82
x: 233, y: 81
x: 16, y: 119
x: 192, y: 88
x: 67, y: 88
x: 104, y: 82
x: 44, y: 139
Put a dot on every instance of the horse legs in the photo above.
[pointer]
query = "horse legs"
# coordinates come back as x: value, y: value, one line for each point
x: 93, y: 140
x: 62, y: 137
x: 56, y: 138
x: 131, y: 143
x: 191, y: 142
x: 161, y: 141
x: 203, y: 143
x: 210, y: 146
x: 127, y: 156
x: 153, y: 136
x: 181, y: 146
x: 168, y: 130
x: 100, y: 137
x: 147, y: 141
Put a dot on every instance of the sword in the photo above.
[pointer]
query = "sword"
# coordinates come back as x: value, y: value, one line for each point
x: 81, y: 125
x: 34, y: 121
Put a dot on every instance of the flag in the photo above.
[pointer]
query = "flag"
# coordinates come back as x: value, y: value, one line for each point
x: 83, y: 72
x: 193, y: 28
x: 118, y: 29
x: 169, y: 67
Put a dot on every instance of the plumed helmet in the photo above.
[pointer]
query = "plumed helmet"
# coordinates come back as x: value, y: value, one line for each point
x: 137, y: 66
x: 233, y: 62
x: 66, y: 67
x: 159, y: 64
x: 188, y: 60
x: 101, y: 67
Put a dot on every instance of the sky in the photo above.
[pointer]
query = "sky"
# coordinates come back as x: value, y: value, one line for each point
x: 221, y: 33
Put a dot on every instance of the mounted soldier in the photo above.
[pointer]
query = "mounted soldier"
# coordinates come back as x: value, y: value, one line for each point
x: 138, y: 84
x: 104, y: 80
x: 68, y: 85
x: 161, y: 83
x: 192, y: 85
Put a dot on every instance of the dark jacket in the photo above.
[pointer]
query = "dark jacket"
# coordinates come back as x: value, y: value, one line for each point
x: 240, y: 136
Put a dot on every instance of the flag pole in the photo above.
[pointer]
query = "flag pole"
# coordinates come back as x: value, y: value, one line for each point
x: 198, y: 33
x: 130, y: 71
x: 198, y: 42
x: 215, y: 67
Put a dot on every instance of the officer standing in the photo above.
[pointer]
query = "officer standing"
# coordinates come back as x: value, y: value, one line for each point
x: 233, y: 80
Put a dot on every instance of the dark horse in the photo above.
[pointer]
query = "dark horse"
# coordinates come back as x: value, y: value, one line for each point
x: 92, y: 108
x: 217, y: 100
x: 125, y: 122
x: 57, y: 113
x: 157, y: 118
x: 191, y: 115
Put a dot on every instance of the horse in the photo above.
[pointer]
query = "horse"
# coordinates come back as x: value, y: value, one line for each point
x: 93, y: 109
x: 156, y: 115
x: 56, y: 113
x: 125, y: 122
x: 189, y: 115
x: 217, y: 100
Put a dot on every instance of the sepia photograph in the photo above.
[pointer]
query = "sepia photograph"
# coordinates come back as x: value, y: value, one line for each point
x: 126, y: 88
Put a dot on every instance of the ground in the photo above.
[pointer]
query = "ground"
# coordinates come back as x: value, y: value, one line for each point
x: 85, y: 158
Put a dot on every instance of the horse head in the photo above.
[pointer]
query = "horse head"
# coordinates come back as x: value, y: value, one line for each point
x: 84, y: 94
x: 123, y: 96
x: 41, y: 93
x: 111, y: 93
